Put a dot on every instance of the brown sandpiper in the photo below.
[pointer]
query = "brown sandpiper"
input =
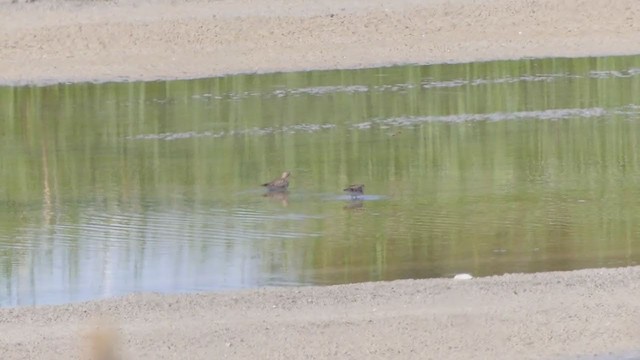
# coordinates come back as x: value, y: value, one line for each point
x: 280, y: 184
x: 355, y: 190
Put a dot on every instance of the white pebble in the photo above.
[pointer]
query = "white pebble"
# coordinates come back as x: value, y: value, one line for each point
x: 463, y: 277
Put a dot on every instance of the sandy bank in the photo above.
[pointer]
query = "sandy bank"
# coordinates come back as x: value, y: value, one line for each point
x: 52, y: 41
x: 533, y: 316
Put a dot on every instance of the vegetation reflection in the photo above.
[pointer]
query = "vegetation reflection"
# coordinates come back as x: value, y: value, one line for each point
x: 484, y: 168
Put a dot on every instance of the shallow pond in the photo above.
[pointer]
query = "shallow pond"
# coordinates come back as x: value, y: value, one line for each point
x: 485, y: 168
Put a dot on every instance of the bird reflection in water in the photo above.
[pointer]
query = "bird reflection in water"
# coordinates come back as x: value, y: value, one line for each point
x: 354, y: 205
x: 279, y: 196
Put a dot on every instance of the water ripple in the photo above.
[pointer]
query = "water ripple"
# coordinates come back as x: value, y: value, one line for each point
x: 553, y: 114
x: 604, y: 74
x: 425, y: 83
x: 321, y: 90
x: 256, y: 131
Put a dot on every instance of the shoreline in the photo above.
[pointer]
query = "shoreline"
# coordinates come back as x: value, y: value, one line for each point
x: 44, y: 82
x: 540, y: 315
x: 55, y: 41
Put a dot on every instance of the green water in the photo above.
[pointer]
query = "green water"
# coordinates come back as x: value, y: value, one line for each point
x: 484, y: 168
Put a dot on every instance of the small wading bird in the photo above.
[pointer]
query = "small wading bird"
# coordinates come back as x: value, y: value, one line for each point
x: 280, y: 184
x: 355, y: 190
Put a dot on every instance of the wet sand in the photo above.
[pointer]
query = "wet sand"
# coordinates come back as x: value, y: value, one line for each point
x: 545, y: 315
